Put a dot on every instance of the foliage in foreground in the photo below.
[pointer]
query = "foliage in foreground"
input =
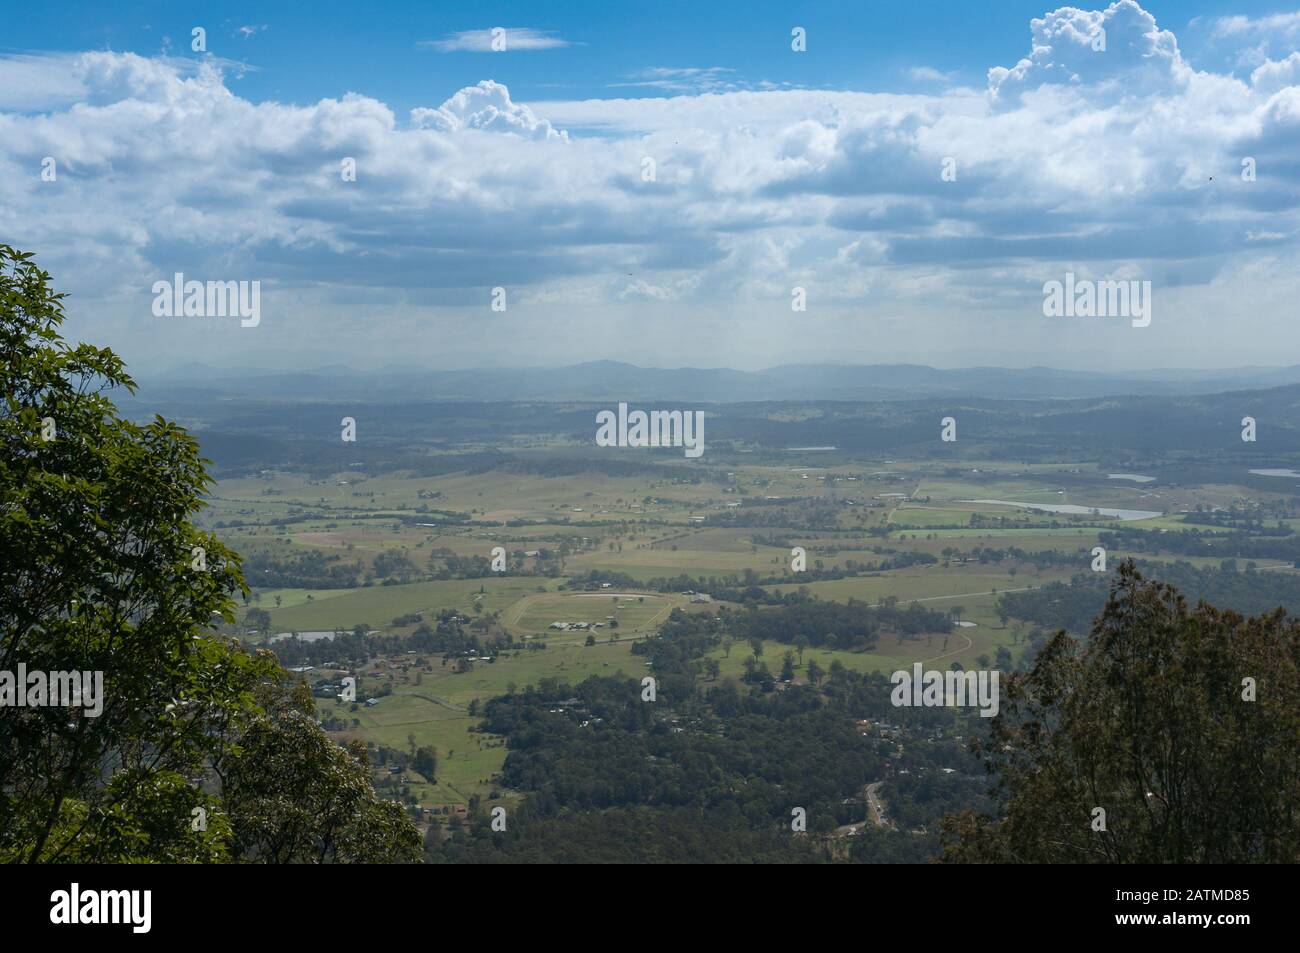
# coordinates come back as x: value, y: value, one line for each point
x: 1151, y: 721
x: 202, y: 752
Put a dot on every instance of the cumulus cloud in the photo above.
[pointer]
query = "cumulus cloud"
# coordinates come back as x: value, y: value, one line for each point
x: 1101, y: 162
x: 486, y: 106
x: 1273, y: 76
x: 1120, y: 48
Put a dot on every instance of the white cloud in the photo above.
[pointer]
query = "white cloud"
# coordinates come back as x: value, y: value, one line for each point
x: 1274, y: 76
x: 38, y: 81
x: 694, y: 80
x: 1104, y: 163
x: 1119, y: 51
x: 486, y: 106
x: 1252, y: 41
x: 480, y: 41
x: 1275, y: 25
x: 927, y: 74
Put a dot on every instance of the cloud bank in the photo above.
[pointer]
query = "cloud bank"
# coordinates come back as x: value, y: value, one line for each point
x: 671, y: 230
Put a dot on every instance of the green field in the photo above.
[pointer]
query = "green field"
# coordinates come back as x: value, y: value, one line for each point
x: 648, y: 527
x: 376, y: 606
x: 634, y: 612
x: 467, y: 758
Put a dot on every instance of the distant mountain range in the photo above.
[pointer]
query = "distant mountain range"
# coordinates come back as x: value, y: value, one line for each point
x: 614, y: 381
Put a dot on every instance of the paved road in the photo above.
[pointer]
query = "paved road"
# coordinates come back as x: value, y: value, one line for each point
x: 959, y: 595
x: 966, y: 647
x: 874, y: 809
x: 434, y: 699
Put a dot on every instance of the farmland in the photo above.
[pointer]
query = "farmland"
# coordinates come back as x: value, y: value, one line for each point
x: 596, y: 561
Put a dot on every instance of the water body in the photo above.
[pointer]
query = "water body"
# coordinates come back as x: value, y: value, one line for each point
x: 303, y: 636
x: 1277, y: 473
x: 1135, y: 477
x: 1074, y: 510
x: 808, y: 449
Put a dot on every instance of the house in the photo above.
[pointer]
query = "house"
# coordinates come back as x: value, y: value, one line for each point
x: 372, y: 702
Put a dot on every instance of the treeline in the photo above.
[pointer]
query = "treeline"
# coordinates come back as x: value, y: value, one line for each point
x: 1191, y: 542
x: 810, y: 515
x: 745, y: 587
x: 300, y: 569
x: 725, y: 587
x: 1074, y: 605
x: 450, y: 635
x: 629, y: 834
x: 312, y: 569
x: 853, y: 626
x: 1039, y: 558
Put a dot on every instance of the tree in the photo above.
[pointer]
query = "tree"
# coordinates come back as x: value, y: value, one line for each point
x: 426, y: 761
x: 814, y: 672
x: 1182, y: 725
x: 787, y: 667
x: 257, y: 620
x: 103, y: 572
x: 393, y: 563
x: 293, y: 795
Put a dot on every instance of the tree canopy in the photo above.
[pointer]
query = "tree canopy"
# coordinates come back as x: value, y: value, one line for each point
x: 103, y: 570
x: 1181, y: 724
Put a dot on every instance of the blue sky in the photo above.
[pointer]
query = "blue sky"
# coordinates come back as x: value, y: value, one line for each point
x: 771, y: 171
x: 302, y: 52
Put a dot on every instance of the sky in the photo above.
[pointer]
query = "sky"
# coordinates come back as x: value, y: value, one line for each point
x: 661, y: 183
